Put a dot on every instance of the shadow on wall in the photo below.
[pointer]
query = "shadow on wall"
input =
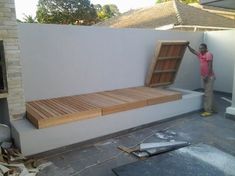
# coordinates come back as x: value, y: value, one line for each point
x: 221, y: 44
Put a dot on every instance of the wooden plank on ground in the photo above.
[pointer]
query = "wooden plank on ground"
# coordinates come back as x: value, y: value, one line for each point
x: 187, y: 161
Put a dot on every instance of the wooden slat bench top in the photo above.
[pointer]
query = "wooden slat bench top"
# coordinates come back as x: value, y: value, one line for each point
x: 56, y: 111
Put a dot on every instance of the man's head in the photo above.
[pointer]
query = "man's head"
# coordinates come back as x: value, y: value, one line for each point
x: 203, y: 48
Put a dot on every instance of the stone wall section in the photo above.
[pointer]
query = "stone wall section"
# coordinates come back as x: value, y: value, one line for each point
x: 9, y: 36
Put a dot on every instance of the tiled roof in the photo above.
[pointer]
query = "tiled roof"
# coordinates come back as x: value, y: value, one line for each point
x: 172, y: 12
x: 229, y: 13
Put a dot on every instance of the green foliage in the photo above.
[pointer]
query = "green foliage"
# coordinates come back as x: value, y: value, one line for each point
x: 190, y: 1
x: 114, y: 9
x: 107, y: 11
x: 98, y: 7
x: 29, y: 19
x: 66, y: 12
x: 19, y: 21
x: 184, y: 1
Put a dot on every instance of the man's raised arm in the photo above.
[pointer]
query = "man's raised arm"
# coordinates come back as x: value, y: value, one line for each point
x: 192, y: 50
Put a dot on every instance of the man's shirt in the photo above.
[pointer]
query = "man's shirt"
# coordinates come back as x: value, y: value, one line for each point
x: 204, y: 66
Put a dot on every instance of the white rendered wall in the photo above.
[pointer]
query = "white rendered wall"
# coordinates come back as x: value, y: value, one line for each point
x: 222, y: 45
x: 60, y: 60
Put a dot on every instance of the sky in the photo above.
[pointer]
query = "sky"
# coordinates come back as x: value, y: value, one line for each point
x: 28, y: 7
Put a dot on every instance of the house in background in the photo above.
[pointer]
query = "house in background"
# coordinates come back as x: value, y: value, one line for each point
x: 172, y: 15
x: 228, y: 13
x: 227, y: 4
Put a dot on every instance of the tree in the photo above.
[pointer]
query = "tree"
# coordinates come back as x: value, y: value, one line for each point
x: 29, y: 19
x: 107, y: 11
x: 114, y: 9
x: 98, y: 7
x: 190, y: 1
x: 66, y: 12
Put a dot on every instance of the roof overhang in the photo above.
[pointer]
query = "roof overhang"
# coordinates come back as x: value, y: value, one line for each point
x: 228, y: 4
x: 165, y: 27
x: 191, y: 27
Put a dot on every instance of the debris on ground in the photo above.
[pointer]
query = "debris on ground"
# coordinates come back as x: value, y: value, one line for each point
x: 6, y: 145
x: 161, y: 145
x: 167, y: 135
x: 149, y: 149
x: 226, y: 99
x: 128, y: 150
x: 13, y: 163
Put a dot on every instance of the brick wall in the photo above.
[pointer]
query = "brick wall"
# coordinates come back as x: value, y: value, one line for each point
x: 9, y: 35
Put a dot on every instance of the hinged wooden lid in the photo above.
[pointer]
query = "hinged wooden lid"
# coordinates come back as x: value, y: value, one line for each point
x: 165, y: 63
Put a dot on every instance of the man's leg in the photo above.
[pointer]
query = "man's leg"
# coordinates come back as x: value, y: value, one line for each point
x: 208, y: 96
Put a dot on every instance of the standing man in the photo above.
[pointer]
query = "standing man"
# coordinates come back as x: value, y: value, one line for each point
x: 208, y: 76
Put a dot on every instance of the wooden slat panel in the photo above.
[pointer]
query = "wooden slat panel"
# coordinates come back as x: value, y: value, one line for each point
x: 36, y: 113
x: 110, y: 104
x: 156, y: 96
x: 168, y: 56
x: 124, y: 94
x: 130, y: 100
x: 113, y: 101
x: 50, y: 112
x: 37, y: 107
x: 100, y: 100
x: 69, y: 118
x: 45, y: 113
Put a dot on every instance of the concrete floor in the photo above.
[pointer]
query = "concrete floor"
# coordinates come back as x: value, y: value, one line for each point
x: 97, y: 159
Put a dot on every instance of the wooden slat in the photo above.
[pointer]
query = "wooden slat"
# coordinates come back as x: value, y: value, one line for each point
x: 112, y: 101
x: 100, y: 100
x: 34, y: 112
x: 164, y: 99
x: 156, y: 96
x: 69, y: 118
x: 56, y: 111
x: 33, y: 119
x: 160, y: 84
x: 108, y: 104
x: 130, y: 101
x: 168, y: 56
x: 36, y: 108
x: 45, y: 113
x: 67, y: 109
